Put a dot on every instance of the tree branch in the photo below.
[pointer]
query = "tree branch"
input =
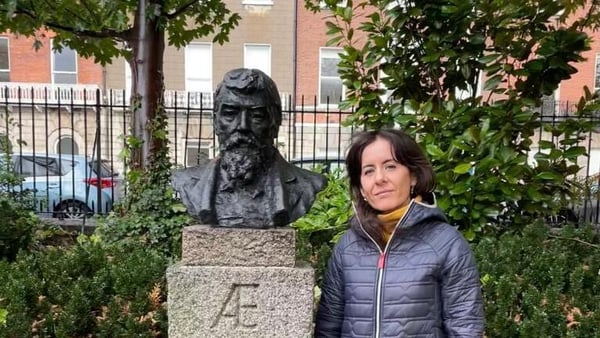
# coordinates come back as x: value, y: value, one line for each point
x: 575, y: 240
x: 106, y: 33
x: 180, y: 10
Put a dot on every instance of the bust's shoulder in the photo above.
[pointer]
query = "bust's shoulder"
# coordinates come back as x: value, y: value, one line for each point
x: 185, y: 176
x: 296, y: 175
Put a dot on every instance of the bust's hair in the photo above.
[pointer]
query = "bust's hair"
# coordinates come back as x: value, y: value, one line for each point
x: 245, y: 81
x: 405, y: 151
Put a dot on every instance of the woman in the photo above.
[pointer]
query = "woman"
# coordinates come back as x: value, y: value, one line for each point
x: 400, y: 270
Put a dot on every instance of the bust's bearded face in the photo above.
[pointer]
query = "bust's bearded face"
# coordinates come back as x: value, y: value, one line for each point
x: 243, y: 158
x: 244, y: 128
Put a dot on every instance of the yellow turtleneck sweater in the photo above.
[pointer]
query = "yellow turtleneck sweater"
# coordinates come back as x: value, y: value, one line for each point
x: 390, y: 219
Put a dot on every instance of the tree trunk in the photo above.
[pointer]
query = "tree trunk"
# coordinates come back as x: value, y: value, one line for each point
x: 148, y: 46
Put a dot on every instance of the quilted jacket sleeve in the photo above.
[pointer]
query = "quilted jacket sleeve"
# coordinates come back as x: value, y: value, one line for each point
x: 330, y: 314
x: 461, y: 293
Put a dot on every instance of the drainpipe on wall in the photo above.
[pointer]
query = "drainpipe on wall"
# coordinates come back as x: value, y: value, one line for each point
x: 107, y: 141
x: 294, y: 80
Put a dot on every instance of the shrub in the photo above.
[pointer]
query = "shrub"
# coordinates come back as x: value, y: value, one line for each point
x: 541, y: 283
x: 15, y: 228
x: 92, y: 289
x: 160, y: 233
x: 16, y: 209
x: 321, y: 227
x: 150, y: 212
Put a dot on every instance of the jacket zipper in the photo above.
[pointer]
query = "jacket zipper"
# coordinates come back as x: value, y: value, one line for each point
x: 380, y: 266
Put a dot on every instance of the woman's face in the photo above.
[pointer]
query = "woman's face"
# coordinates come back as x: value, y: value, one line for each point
x: 384, y: 182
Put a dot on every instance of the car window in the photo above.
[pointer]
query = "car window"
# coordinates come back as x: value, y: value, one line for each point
x: 37, y: 166
x: 105, y: 169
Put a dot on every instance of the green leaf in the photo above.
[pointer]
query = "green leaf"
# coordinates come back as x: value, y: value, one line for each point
x: 462, y: 168
x: 469, y: 234
x: 434, y: 150
x: 492, y: 82
x: 3, y: 315
x: 547, y: 175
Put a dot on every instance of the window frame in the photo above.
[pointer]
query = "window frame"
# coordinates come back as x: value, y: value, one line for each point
x: 341, y: 3
x: 258, y: 2
x: 597, y: 73
x: 188, y: 67
x: 270, y: 50
x: 74, y: 146
x: 6, y: 70
x: 53, y: 54
x: 326, y: 52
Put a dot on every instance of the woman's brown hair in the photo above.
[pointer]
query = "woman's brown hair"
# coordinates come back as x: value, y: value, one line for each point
x: 405, y: 151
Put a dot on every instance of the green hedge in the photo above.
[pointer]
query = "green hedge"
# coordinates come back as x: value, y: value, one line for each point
x: 542, y: 282
x: 90, y: 289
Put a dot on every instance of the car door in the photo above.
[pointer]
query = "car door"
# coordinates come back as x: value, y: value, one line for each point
x: 41, y: 175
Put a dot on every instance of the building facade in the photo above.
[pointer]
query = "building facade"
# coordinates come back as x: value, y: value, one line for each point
x: 280, y: 37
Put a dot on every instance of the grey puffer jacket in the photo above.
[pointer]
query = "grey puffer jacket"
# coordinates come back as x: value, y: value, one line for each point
x: 423, y: 284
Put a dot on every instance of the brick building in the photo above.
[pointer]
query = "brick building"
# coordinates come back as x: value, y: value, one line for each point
x: 280, y: 37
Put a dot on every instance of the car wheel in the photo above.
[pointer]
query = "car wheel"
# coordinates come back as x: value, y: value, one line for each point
x: 72, y: 210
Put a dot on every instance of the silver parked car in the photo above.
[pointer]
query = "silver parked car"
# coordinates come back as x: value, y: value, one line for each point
x: 68, y: 186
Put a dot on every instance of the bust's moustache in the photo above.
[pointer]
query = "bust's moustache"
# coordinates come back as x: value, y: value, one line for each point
x: 238, y: 139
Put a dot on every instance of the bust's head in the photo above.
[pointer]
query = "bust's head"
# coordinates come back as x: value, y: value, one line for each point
x: 247, y: 101
x: 247, y: 119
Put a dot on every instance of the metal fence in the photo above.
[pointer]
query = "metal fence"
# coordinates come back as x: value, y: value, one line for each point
x: 68, y: 141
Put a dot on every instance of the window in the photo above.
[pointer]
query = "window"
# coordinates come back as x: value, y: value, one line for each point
x: 4, y: 60
x: 105, y: 168
x: 197, y: 152
x: 258, y: 56
x: 64, y: 66
x: 340, y: 3
x: 198, y: 67
x: 67, y: 145
x: 330, y: 83
x: 257, y: 2
x: 128, y: 82
x: 597, y: 73
x: 28, y: 166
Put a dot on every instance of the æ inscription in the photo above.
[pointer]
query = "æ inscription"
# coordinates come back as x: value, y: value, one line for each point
x: 234, y: 305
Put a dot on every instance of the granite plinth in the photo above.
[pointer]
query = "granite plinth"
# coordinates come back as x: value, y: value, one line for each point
x: 238, y: 282
x: 206, y: 245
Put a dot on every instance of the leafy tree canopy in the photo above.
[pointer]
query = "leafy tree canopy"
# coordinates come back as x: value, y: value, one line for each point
x: 468, y: 78
x: 104, y: 29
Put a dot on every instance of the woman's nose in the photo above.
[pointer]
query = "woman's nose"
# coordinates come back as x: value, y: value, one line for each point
x: 379, y: 175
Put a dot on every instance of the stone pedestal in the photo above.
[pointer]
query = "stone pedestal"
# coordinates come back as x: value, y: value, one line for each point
x: 239, y: 283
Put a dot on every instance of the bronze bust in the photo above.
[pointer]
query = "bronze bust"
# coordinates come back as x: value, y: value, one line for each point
x: 249, y: 184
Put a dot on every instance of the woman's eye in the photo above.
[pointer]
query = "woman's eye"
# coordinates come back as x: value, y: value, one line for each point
x: 390, y: 167
x: 367, y: 172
